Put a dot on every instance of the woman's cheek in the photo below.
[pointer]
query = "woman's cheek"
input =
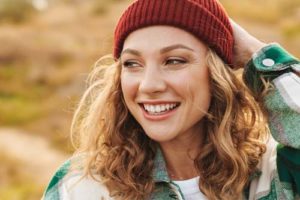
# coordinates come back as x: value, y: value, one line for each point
x: 129, y: 85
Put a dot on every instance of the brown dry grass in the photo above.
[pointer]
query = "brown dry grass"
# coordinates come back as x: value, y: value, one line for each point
x: 14, y: 183
x: 43, y: 64
x: 44, y: 61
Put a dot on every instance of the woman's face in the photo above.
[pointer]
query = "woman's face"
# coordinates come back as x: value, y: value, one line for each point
x: 165, y: 81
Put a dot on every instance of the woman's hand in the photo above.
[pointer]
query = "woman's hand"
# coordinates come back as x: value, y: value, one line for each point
x: 245, y: 45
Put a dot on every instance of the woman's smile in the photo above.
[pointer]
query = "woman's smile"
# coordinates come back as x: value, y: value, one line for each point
x: 159, y: 110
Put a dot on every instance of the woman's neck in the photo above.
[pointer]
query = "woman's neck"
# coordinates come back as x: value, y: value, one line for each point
x: 180, y: 154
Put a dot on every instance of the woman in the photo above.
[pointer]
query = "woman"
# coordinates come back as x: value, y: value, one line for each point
x: 169, y: 119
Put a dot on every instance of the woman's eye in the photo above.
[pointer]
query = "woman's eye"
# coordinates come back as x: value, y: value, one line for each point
x: 174, y: 61
x: 131, y: 64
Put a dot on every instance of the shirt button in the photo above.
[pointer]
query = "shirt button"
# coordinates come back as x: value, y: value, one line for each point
x: 268, y: 62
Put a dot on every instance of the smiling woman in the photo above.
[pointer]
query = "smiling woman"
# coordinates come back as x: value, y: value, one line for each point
x: 169, y: 119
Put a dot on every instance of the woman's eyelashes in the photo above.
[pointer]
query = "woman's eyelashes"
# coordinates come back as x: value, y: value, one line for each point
x: 175, y: 61
x: 168, y: 62
x: 131, y: 64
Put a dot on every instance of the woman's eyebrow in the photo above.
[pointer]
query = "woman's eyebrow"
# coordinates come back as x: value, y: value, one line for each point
x: 131, y: 51
x: 175, y: 46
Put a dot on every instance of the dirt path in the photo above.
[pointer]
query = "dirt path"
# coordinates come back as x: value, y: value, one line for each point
x: 39, y: 159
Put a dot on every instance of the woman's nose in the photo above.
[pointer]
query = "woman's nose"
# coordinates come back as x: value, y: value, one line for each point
x: 153, y: 81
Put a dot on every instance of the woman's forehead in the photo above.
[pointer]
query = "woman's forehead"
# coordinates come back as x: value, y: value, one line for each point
x: 158, y: 37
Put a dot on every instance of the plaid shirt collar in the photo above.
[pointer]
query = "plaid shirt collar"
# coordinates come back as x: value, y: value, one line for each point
x: 160, y: 173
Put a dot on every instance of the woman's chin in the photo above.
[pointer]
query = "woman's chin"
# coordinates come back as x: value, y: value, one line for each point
x: 161, y: 136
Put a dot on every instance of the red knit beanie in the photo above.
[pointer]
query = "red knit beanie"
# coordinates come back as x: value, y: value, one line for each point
x: 206, y: 19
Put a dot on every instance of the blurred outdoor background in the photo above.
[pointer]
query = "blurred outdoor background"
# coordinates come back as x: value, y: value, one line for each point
x: 47, y: 47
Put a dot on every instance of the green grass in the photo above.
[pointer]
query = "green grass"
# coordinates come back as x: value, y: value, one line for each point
x: 16, y: 110
x: 7, y: 73
x: 15, y: 10
x: 20, y: 100
x: 291, y: 30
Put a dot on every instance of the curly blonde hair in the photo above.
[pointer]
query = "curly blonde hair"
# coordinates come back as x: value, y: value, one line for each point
x: 120, y: 152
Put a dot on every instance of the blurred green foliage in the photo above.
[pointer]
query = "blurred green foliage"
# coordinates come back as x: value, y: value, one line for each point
x: 20, y: 99
x: 15, y: 10
x: 292, y: 30
x: 18, y: 110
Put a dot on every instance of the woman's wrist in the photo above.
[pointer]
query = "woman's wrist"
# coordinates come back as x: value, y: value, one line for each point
x: 244, y: 54
x: 245, y: 45
x: 251, y: 50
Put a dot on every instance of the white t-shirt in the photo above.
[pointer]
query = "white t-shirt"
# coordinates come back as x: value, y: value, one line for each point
x: 190, y: 189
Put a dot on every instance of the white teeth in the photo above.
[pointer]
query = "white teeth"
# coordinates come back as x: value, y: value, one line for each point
x: 159, y: 108
x: 152, y: 108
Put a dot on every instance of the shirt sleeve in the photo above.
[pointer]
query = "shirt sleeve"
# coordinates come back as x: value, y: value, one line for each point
x: 77, y: 187
x: 282, y: 102
x: 276, y: 66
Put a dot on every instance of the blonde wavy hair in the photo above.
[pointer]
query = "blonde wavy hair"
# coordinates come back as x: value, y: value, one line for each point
x: 120, y: 152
